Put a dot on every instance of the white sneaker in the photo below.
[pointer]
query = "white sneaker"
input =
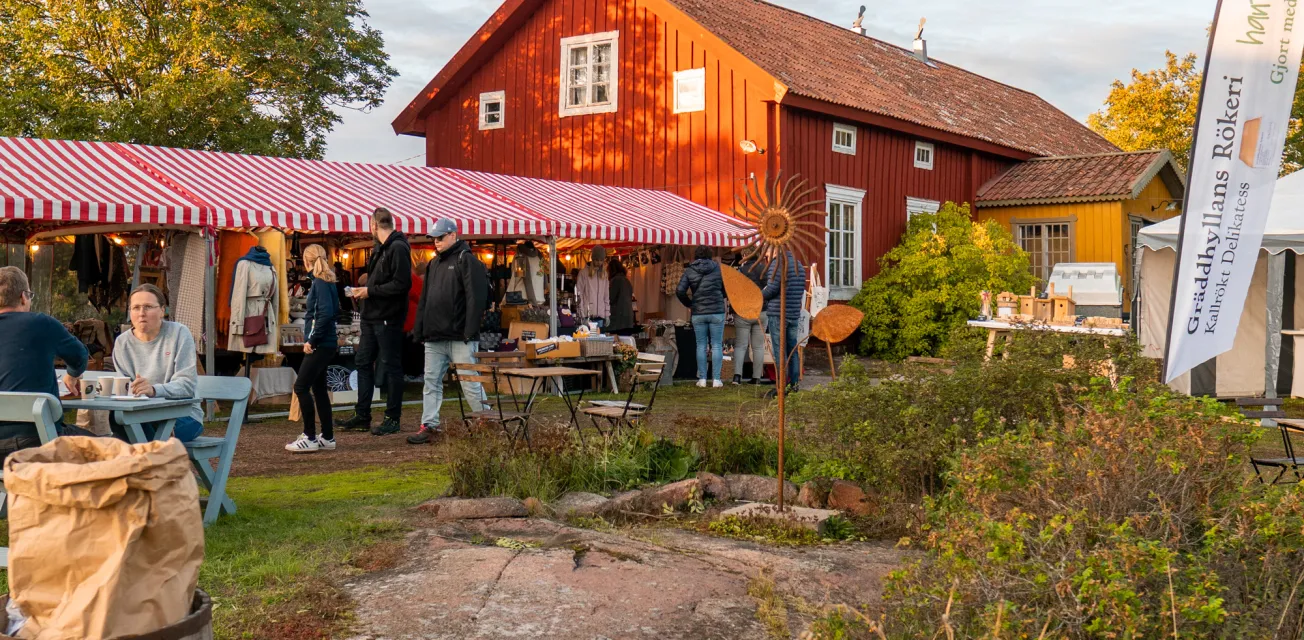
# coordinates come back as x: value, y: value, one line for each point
x: 326, y: 445
x: 717, y: 384
x: 303, y: 445
x: 701, y: 384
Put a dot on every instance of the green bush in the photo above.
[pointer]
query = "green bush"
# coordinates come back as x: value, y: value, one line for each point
x: 929, y: 284
x: 898, y: 436
x: 736, y: 448
x: 1133, y: 519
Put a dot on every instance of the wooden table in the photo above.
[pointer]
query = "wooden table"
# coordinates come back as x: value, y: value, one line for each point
x: 134, y: 414
x: 1002, y: 330
x: 538, y: 377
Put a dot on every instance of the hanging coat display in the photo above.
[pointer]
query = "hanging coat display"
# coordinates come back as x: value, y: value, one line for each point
x: 255, y: 292
x: 527, y: 274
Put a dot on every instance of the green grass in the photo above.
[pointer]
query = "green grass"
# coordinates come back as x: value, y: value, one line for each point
x: 272, y: 569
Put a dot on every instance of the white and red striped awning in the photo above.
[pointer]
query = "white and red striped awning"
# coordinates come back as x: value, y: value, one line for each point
x: 63, y: 181
x: 591, y: 212
x: 120, y: 183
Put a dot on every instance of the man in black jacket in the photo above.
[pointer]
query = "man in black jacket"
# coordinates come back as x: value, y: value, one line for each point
x: 389, y: 276
x: 448, y: 322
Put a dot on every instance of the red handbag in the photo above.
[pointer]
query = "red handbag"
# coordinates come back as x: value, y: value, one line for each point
x: 255, y: 328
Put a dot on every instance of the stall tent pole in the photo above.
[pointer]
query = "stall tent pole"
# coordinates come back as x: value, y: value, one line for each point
x: 1276, y: 299
x: 552, y: 288
x: 210, y: 313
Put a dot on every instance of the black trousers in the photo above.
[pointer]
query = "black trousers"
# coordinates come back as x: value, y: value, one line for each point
x: 380, y: 345
x: 314, y: 397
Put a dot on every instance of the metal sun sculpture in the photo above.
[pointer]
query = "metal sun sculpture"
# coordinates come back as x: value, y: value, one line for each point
x: 783, y: 220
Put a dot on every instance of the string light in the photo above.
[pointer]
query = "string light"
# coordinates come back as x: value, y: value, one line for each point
x: 34, y: 248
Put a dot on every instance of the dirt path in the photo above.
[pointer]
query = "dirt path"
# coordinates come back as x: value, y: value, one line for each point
x: 579, y: 583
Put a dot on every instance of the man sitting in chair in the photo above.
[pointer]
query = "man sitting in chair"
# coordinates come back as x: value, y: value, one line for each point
x: 29, y: 343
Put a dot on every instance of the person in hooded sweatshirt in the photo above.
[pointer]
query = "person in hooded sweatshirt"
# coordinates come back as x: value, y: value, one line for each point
x: 702, y: 290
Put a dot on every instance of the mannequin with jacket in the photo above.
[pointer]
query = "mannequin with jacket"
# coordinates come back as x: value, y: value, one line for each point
x: 254, y: 292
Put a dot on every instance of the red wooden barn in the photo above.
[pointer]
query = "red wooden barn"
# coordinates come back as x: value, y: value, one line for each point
x: 699, y: 96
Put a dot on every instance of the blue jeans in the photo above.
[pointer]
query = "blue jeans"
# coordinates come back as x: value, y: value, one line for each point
x: 794, y: 363
x: 439, y: 355
x: 184, y: 429
x: 710, y: 332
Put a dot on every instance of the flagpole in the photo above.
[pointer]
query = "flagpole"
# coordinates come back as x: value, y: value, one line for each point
x: 1186, y: 197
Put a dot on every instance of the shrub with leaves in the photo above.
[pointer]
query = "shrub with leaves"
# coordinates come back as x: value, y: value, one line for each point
x: 929, y: 284
x: 898, y: 436
x: 1133, y: 519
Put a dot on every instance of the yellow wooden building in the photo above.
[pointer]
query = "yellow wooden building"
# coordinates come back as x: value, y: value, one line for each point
x: 1084, y: 208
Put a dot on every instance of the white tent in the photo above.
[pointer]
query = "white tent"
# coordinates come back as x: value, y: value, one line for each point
x: 1244, y: 370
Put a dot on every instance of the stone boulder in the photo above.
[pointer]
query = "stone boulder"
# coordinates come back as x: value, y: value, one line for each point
x: 535, y: 507
x: 850, y: 498
x: 578, y: 503
x: 675, y: 496
x: 759, y: 489
x: 714, y: 487
x: 814, y: 495
x: 445, y: 509
x: 622, y: 503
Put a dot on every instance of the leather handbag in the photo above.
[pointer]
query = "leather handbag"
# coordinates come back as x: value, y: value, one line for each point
x: 255, y: 328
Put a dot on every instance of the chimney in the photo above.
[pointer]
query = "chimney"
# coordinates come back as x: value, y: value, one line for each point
x: 921, y: 45
x: 860, y: 19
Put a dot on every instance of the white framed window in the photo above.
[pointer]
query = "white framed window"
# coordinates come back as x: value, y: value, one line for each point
x: 590, y: 74
x: 919, y: 205
x: 844, y: 139
x: 690, y: 91
x: 842, y: 250
x: 924, y: 152
x: 492, y: 106
x: 1048, y: 243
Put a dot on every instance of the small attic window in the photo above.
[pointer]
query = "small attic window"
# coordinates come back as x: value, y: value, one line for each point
x: 491, y: 110
x: 924, y: 155
x: 844, y: 139
x: 690, y: 91
x: 590, y: 74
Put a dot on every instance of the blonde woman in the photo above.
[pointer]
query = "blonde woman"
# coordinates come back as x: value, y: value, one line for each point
x: 320, y: 346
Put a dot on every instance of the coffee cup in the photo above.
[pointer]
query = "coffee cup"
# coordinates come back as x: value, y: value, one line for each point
x: 121, y: 386
x: 89, y: 389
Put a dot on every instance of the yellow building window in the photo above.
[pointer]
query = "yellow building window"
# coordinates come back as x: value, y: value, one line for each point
x: 1047, y: 244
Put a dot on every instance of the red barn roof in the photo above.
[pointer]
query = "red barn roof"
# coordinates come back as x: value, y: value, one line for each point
x: 1094, y: 178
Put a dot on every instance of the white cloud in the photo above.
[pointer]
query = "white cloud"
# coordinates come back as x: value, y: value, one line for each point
x: 1066, y: 51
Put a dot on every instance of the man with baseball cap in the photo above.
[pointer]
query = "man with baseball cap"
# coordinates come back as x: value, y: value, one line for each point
x: 452, y: 302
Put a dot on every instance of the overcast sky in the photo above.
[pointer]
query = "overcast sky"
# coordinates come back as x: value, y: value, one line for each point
x: 1067, y: 51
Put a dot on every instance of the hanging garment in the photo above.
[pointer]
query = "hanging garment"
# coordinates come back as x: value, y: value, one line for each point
x: 594, y: 292
x: 256, y: 292
x: 232, y: 246
x: 527, y: 278
x: 273, y: 240
x: 90, y: 259
x: 188, y: 297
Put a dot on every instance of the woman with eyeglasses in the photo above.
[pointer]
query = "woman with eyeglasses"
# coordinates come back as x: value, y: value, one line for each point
x: 159, y: 357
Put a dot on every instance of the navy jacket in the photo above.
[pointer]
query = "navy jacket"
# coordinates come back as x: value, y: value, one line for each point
x: 323, y: 308
x: 796, y: 289
x: 704, y: 280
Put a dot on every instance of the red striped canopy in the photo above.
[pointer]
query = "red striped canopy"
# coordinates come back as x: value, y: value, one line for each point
x: 120, y: 183
x: 591, y: 212
x: 58, y: 180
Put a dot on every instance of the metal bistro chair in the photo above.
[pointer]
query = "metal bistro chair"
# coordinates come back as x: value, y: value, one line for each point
x: 1270, y: 413
x: 40, y: 409
x: 487, y: 376
x: 647, y: 371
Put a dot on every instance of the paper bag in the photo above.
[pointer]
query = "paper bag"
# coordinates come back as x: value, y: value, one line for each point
x: 106, y: 538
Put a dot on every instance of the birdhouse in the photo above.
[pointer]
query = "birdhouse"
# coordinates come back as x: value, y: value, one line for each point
x: 1026, y: 303
x: 1007, y: 305
x: 1065, y: 311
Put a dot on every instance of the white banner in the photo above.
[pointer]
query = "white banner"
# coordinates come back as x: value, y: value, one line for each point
x: 1249, y: 87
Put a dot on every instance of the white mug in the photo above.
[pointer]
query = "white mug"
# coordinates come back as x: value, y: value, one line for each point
x: 121, y: 386
x: 89, y: 389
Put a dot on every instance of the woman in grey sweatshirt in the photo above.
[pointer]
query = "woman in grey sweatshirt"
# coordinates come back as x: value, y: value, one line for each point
x: 159, y: 357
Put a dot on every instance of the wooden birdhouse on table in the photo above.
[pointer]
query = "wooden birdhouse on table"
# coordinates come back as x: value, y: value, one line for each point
x: 1064, y: 310
x: 1007, y: 305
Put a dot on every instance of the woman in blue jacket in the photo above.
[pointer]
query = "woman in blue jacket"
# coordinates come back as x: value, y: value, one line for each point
x: 320, y: 345
x: 702, y: 290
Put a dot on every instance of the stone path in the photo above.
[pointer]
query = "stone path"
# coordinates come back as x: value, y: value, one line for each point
x: 584, y: 584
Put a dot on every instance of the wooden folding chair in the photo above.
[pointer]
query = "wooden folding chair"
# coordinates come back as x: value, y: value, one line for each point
x: 487, y: 376
x: 204, y: 449
x: 40, y: 409
x: 647, y: 371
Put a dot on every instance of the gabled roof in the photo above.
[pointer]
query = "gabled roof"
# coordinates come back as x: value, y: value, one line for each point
x: 834, y: 64
x: 821, y: 65
x: 1095, y: 178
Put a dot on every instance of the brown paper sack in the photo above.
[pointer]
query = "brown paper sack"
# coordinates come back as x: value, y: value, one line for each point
x: 106, y: 538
